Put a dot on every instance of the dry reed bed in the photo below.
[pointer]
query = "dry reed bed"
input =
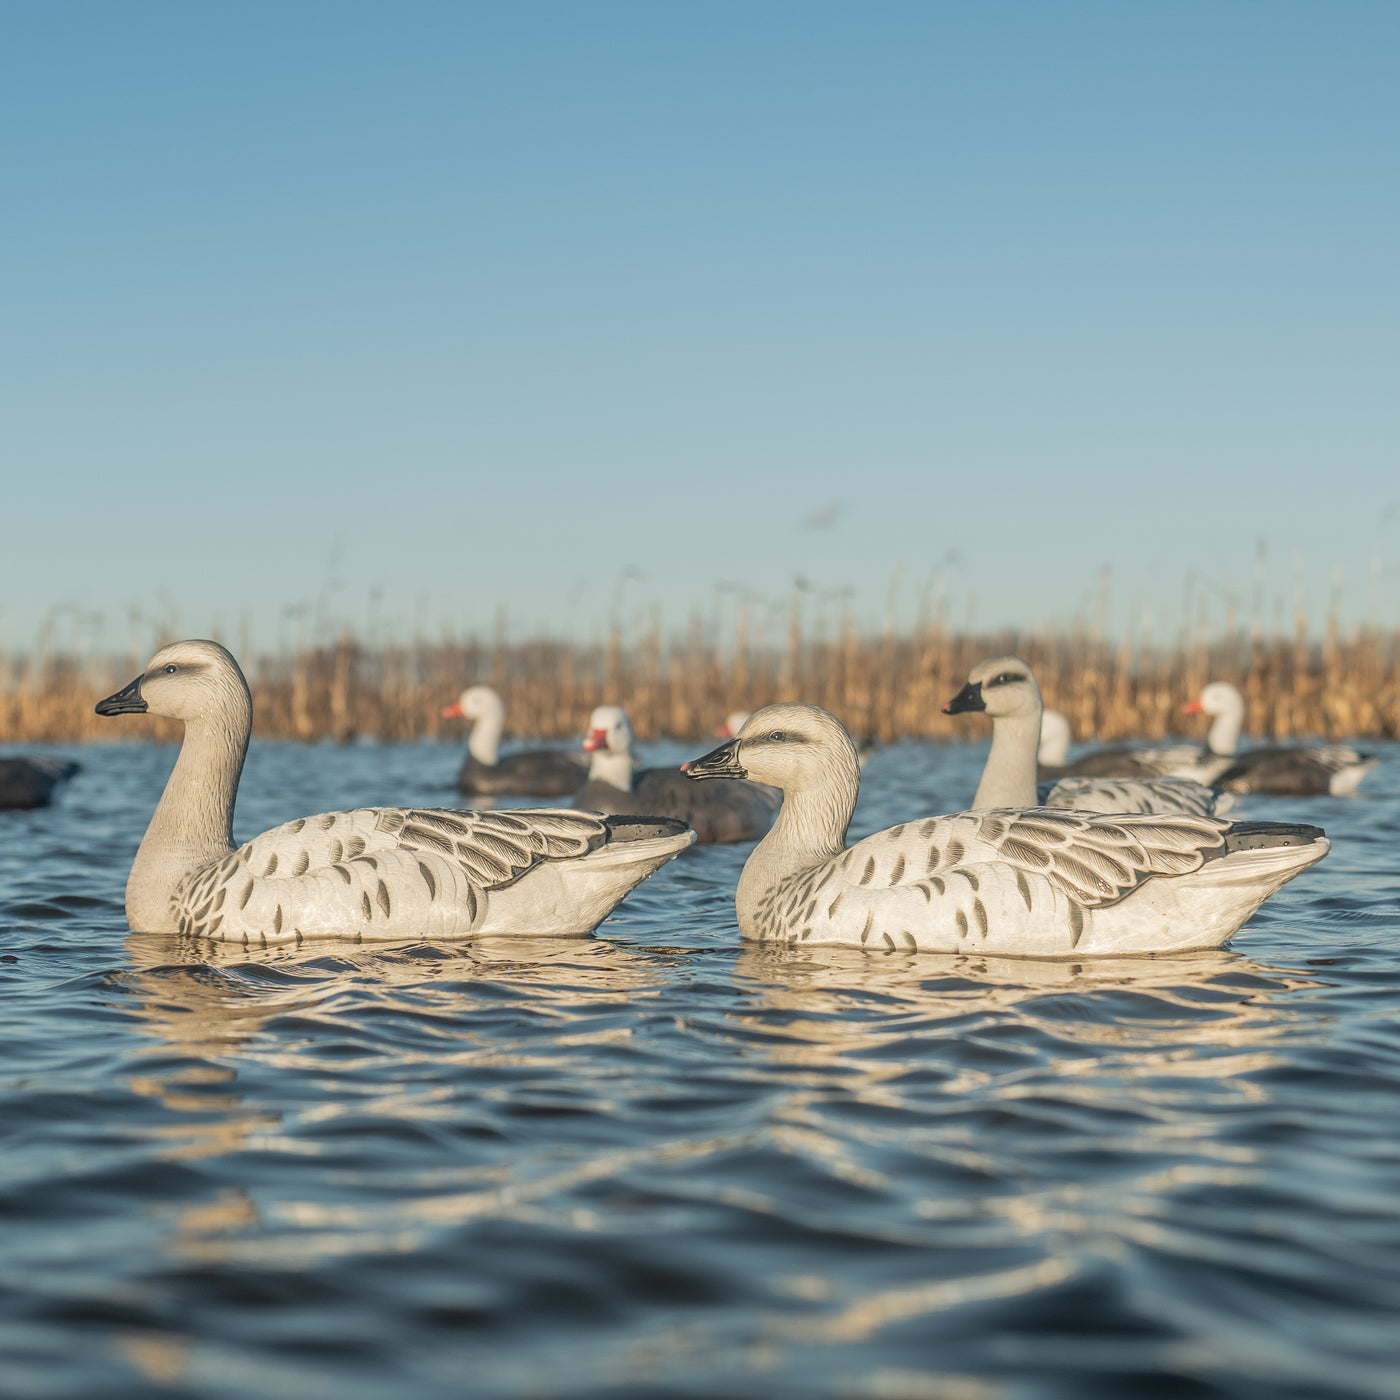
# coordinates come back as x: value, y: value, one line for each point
x: 882, y: 686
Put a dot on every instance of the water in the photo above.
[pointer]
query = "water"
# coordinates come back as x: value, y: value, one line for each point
x: 658, y: 1163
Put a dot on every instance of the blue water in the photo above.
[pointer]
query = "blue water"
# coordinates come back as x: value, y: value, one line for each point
x: 660, y: 1163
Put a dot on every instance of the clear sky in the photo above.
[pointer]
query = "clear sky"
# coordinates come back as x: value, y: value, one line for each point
x: 422, y: 309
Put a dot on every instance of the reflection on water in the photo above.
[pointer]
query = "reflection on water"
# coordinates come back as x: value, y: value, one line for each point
x: 657, y: 1162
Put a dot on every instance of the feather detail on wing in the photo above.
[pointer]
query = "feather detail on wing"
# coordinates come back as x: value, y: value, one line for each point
x: 1153, y: 796
x: 1092, y: 859
x: 360, y: 869
x: 972, y: 879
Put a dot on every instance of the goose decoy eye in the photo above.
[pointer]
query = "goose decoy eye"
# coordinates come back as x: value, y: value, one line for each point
x: 778, y: 736
x: 1006, y: 678
x: 170, y: 670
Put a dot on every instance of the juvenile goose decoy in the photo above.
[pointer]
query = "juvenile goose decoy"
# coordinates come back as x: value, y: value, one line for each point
x: 1004, y: 688
x: 1284, y: 770
x: 374, y: 873
x: 1029, y: 882
x: 724, y: 812
x: 31, y: 782
x: 534, y: 773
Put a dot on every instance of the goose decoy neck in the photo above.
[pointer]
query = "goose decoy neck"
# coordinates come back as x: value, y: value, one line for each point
x: 200, y: 683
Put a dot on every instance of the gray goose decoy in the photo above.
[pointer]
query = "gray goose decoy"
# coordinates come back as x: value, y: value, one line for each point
x: 737, y: 811
x: 484, y: 772
x: 369, y: 874
x: 1004, y: 688
x: 1026, y: 882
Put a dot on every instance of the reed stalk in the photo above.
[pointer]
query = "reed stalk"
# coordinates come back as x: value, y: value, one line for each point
x: 887, y: 685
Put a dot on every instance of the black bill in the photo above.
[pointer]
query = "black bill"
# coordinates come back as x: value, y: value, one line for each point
x: 127, y: 701
x: 968, y: 698
x: 722, y: 762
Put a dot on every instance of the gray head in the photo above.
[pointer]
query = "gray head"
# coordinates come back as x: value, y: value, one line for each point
x: 1001, y: 687
x: 191, y: 680
x: 792, y: 747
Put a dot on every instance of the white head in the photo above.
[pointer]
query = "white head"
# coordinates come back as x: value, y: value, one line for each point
x: 609, y: 730
x: 792, y: 747
x: 476, y: 702
x: 192, y: 681
x: 1003, y: 687
x: 1218, y: 698
x: 1055, y: 737
x: 609, y: 740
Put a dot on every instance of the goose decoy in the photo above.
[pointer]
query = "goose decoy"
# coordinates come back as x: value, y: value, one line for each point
x: 370, y: 874
x: 26, y: 783
x: 1284, y: 770
x: 724, y: 812
x: 1027, y: 882
x: 1004, y: 689
x: 534, y: 773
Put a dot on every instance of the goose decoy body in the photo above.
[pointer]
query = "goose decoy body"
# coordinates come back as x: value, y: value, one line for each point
x: 484, y: 772
x: 370, y: 874
x: 1004, y: 689
x: 26, y: 783
x: 1293, y: 770
x: 1028, y: 882
x: 737, y: 811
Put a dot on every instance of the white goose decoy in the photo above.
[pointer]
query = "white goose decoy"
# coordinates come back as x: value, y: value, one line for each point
x: 1004, y: 688
x: 1284, y: 770
x: 1028, y: 882
x: 724, y: 812
x: 370, y: 874
x: 535, y: 773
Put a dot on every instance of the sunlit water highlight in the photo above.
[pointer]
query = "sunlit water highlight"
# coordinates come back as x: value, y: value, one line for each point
x: 660, y: 1163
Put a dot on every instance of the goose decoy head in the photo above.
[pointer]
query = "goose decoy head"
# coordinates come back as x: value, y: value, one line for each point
x: 185, y: 680
x: 1003, y: 685
x: 785, y: 746
x: 476, y: 702
x: 1218, y: 698
x: 609, y: 729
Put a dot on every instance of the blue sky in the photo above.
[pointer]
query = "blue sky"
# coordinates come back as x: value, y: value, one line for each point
x: 417, y: 311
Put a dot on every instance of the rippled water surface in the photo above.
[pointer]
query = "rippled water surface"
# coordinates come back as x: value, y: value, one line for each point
x: 659, y: 1163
